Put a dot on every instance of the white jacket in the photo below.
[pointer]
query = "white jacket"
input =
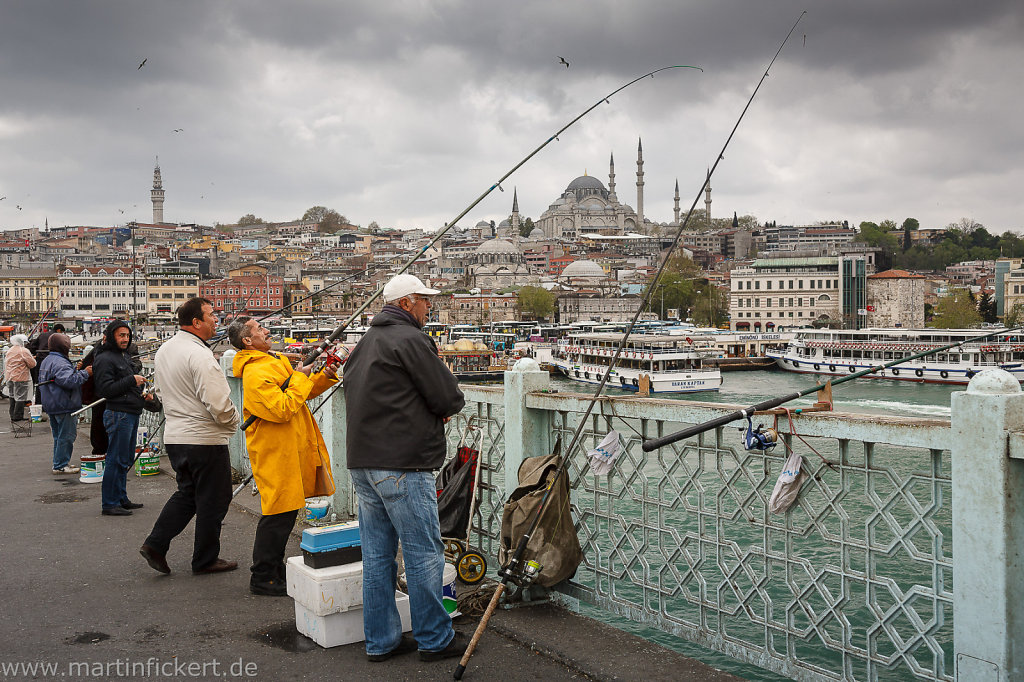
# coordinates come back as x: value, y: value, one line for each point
x: 196, y: 397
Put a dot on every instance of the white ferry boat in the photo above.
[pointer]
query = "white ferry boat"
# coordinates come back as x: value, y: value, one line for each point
x: 844, y: 351
x: 672, y: 364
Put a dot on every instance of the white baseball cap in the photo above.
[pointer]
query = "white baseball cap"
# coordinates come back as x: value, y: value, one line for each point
x: 404, y: 285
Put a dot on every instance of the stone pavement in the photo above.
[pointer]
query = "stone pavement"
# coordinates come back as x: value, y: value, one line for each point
x: 76, y: 595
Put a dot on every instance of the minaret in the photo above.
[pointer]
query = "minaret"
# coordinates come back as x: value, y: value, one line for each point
x: 676, y: 209
x: 640, y: 183
x: 611, y: 180
x: 515, y: 212
x: 157, y: 194
x: 707, y: 199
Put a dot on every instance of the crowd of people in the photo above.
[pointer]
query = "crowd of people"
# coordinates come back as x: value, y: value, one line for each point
x: 398, y: 395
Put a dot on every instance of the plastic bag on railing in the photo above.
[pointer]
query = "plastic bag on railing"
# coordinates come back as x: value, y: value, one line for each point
x: 788, y: 485
x: 603, y: 457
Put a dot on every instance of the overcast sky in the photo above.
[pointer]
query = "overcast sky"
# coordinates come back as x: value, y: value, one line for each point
x: 404, y: 112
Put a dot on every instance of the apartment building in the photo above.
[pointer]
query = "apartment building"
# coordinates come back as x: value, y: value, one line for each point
x: 102, y: 291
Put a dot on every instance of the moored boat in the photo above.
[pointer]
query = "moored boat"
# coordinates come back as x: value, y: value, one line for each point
x: 670, y: 363
x: 838, y: 352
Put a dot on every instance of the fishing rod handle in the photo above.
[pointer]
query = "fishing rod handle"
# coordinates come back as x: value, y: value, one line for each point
x: 655, y: 443
x: 495, y: 598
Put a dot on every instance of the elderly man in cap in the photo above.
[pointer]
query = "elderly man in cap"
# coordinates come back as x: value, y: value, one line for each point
x: 61, y: 390
x: 398, y: 394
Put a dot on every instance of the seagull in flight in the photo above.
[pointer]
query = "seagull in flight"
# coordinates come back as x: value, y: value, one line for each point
x: 561, y: 60
x: 18, y: 207
x: 179, y: 130
x: 143, y: 63
x: 2, y: 198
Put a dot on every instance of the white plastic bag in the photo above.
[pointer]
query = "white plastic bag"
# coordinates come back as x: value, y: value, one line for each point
x: 602, y: 458
x: 788, y: 485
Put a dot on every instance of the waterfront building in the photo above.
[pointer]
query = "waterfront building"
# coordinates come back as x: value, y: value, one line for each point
x: 895, y: 298
x: 477, y: 308
x: 251, y: 294
x: 29, y: 291
x: 803, y: 237
x: 1002, y: 267
x: 102, y: 291
x: 168, y: 285
x: 775, y: 293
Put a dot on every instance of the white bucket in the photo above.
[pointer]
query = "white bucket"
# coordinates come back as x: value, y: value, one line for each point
x: 35, y: 413
x: 451, y: 604
x: 92, y: 469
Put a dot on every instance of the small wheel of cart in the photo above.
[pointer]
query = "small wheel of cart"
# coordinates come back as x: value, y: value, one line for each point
x: 453, y: 549
x: 471, y: 567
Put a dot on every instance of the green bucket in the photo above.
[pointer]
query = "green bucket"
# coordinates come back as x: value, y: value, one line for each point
x: 148, y: 463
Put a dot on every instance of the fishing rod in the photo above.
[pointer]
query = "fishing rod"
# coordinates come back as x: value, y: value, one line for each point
x: 46, y: 314
x: 497, y: 185
x: 655, y: 443
x: 511, y: 571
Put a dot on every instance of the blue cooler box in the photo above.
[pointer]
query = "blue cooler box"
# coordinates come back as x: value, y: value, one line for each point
x: 331, y: 545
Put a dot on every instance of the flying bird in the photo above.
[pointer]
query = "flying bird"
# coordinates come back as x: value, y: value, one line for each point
x: 143, y: 63
x: 2, y: 198
x: 18, y: 207
x: 561, y: 60
x: 805, y: 40
x: 179, y: 130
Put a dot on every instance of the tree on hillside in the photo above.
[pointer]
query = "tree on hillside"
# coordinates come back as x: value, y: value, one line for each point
x: 327, y: 219
x: 909, y: 225
x: 956, y: 311
x: 677, y: 287
x: 987, y: 308
x: 526, y: 227
x: 536, y: 302
x: 1015, y: 316
x: 250, y: 219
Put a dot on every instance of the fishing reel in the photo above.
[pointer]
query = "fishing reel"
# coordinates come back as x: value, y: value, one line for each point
x: 522, y: 576
x: 760, y: 438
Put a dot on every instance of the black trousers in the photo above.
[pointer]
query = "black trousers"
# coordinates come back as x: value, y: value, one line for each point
x: 17, y: 409
x: 97, y: 432
x: 204, y: 491
x: 268, y: 549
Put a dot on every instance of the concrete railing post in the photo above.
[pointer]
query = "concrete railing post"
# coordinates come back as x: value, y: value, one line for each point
x: 331, y: 418
x: 527, y: 432
x: 988, y: 530
x: 235, y: 444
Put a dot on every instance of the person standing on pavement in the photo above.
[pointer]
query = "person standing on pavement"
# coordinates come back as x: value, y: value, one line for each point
x: 40, y: 348
x: 289, y: 458
x: 117, y: 381
x: 398, y: 393
x: 200, y: 421
x: 61, y: 391
x: 18, y: 366
x: 97, y: 432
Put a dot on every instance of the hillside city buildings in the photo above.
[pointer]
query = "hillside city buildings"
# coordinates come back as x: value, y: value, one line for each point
x: 593, y: 251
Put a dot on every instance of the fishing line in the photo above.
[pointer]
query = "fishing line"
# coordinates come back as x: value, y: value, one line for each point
x: 508, y: 571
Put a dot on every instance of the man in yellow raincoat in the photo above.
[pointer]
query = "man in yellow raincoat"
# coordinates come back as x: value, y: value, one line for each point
x: 288, y: 455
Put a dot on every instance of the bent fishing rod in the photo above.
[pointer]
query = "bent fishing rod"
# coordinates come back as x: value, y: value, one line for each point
x: 336, y: 334
x: 655, y: 443
x: 509, y: 572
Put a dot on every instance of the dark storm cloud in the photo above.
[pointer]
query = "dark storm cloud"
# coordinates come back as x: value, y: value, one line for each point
x: 401, y: 111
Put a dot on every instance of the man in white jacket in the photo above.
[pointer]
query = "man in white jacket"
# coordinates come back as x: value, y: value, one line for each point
x: 200, y: 420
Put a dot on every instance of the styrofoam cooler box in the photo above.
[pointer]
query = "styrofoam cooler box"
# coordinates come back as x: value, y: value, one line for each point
x: 323, y: 591
x: 338, y: 629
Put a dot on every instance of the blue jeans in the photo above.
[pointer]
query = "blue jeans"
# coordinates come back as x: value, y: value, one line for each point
x: 121, y: 429
x: 65, y: 429
x: 393, y: 506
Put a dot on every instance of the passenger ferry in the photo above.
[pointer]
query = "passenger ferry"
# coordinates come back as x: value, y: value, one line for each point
x: 672, y: 364
x: 843, y: 351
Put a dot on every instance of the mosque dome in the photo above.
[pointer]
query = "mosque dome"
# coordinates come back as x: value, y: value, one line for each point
x: 536, y: 233
x: 484, y: 224
x: 505, y: 223
x: 585, y: 182
x: 583, y: 268
x: 496, y: 246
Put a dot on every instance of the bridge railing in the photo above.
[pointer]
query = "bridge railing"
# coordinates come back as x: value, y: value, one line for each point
x: 854, y: 582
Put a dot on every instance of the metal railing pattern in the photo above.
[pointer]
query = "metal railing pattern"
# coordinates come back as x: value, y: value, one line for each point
x: 854, y: 582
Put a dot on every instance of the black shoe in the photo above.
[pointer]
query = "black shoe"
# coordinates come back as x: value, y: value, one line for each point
x: 132, y: 505
x: 270, y: 588
x: 406, y: 645
x: 156, y: 560
x: 117, y: 511
x: 455, y: 648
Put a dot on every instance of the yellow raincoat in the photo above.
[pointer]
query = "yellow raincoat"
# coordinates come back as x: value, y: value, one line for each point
x: 288, y: 455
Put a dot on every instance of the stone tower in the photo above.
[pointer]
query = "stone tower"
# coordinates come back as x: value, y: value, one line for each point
x: 611, y: 179
x: 640, y: 184
x: 676, y: 208
x: 157, y: 194
x: 707, y: 199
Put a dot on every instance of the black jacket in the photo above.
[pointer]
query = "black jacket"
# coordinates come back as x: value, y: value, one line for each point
x: 397, y: 391
x: 114, y: 375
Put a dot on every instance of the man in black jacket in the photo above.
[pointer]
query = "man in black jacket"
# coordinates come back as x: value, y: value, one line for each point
x: 398, y: 394
x: 116, y: 380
